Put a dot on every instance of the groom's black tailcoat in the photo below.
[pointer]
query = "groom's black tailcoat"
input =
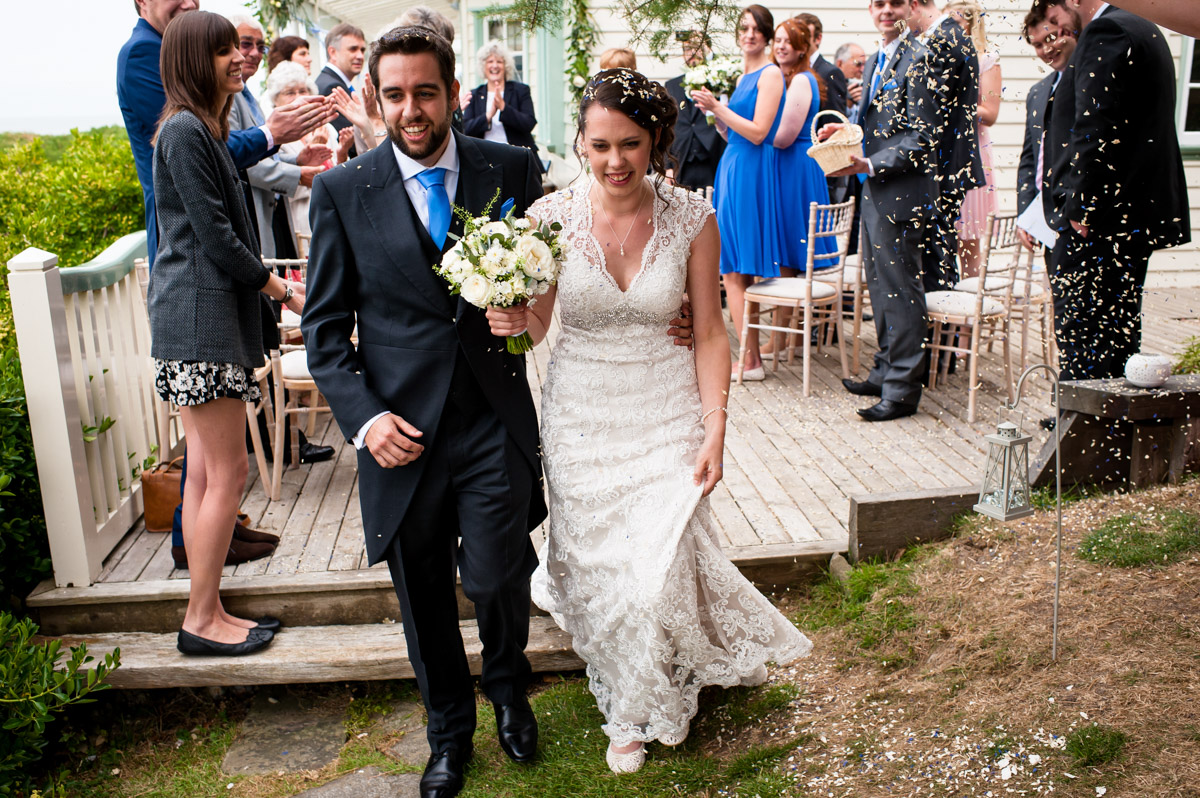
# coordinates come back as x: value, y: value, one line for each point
x: 471, y: 498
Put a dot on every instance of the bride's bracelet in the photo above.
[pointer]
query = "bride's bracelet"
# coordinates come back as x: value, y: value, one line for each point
x: 704, y: 417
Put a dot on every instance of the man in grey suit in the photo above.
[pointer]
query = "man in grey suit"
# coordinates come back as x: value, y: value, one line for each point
x: 279, y: 175
x: 898, y: 117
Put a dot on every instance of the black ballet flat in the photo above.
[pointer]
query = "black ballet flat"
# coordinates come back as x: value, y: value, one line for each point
x: 256, y: 640
x: 268, y: 623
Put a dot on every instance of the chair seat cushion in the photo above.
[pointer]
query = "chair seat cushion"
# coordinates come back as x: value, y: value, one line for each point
x: 289, y: 319
x: 295, y: 365
x: 850, y: 277
x: 960, y: 303
x: 794, y: 288
x: 999, y: 284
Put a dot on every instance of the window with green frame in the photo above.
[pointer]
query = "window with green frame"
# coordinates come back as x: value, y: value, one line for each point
x: 1189, y: 105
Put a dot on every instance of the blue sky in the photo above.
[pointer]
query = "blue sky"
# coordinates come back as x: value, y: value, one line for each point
x: 73, y: 53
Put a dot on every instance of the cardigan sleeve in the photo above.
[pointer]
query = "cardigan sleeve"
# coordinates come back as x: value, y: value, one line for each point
x: 187, y: 156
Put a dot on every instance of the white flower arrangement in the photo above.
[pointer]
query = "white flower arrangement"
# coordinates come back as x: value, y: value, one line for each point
x: 719, y: 75
x: 502, y: 263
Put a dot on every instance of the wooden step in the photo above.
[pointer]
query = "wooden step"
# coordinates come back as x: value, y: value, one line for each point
x: 304, y: 654
x: 326, y: 598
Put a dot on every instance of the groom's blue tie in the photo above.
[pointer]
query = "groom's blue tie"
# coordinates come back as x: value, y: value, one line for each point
x: 434, y: 181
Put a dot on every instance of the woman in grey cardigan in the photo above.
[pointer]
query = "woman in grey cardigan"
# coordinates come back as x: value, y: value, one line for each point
x: 205, y: 316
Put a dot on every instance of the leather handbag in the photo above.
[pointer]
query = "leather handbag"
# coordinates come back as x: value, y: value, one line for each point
x: 161, y: 494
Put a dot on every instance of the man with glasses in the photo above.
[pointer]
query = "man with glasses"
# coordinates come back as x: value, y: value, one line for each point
x: 850, y: 58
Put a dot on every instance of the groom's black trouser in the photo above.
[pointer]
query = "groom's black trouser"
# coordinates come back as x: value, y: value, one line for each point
x: 470, y: 509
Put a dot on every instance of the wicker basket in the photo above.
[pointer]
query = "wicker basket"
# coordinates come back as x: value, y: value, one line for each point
x: 834, y: 152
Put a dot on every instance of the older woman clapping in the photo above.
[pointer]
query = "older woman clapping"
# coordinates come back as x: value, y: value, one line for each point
x: 287, y: 82
x: 500, y: 109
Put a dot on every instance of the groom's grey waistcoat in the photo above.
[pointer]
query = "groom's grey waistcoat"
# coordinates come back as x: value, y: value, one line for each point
x: 371, y: 262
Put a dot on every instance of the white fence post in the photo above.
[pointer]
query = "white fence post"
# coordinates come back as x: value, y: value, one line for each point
x: 39, y: 317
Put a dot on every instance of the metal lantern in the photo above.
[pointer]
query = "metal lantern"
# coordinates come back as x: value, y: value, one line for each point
x: 1005, y: 492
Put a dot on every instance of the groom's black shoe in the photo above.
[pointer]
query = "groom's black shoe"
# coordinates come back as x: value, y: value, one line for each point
x: 516, y: 728
x: 887, y: 410
x: 443, y: 777
x: 862, y: 388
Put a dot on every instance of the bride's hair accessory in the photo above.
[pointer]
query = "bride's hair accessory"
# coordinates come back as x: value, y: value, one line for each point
x: 644, y: 101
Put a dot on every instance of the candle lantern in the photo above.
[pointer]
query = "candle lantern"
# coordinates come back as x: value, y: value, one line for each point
x: 1005, y: 492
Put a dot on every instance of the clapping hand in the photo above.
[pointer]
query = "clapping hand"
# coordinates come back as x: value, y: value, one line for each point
x: 704, y: 100
x: 499, y: 94
x: 314, y: 154
x: 345, y: 143
x: 464, y: 102
x: 350, y: 106
x: 299, y: 118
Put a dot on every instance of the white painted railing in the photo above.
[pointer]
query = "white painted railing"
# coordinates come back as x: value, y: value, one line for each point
x: 84, y: 341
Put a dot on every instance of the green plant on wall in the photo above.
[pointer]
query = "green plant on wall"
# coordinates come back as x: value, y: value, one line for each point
x: 275, y: 15
x: 581, y: 38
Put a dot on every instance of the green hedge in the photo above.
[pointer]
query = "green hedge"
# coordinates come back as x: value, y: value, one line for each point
x: 74, y: 206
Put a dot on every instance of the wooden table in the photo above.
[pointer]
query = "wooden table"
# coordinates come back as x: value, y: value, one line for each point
x: 1115, y: 432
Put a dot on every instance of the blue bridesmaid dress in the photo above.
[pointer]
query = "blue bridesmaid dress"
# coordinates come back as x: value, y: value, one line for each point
x: 746, y: 192
x: 801, y: 182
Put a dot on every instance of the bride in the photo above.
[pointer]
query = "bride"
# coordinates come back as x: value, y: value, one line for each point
x: 633, y: 430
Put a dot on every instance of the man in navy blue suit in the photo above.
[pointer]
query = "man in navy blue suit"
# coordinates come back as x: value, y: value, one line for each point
x: 141, y: 97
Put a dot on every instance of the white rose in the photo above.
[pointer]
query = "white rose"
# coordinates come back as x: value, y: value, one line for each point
x: 455, y: 266
x: 539, y: 260
x: 510, y: 260
x: 579, y: 81
x: 494, y: 228
x: 477, y: 290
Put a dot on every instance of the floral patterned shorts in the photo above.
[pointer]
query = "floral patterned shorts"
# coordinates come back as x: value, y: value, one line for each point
x: 189, y: 383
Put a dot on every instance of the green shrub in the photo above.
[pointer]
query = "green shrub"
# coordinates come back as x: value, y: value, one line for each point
x: 1131, y: 541
x: 24, y: 548
x: 1189, y: 358
x: 34, y: 687
x: 73, y: 205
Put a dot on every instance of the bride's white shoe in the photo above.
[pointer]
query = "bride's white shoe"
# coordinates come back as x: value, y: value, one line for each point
x: 629, y: 762
x: 673, y: 739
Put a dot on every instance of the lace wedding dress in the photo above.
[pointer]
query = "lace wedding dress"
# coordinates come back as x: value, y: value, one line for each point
x: 632, y: 568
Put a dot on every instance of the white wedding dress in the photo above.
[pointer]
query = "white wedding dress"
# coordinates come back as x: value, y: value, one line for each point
x: 632, y: 568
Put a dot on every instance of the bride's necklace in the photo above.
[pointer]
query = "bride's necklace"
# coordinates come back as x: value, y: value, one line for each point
x: 636, y: 214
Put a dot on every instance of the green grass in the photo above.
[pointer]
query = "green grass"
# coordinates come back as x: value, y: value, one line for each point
x: 1094, y: 745
x: 372, y: 700
x: 871, y: 607
x: 1131, y: 540
x: 571, y: 757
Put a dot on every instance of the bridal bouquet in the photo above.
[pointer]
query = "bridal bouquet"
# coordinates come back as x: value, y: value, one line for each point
x: 718, y: 75
x: 502, y: 263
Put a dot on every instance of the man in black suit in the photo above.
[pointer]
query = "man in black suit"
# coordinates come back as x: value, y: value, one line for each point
x: 954, y: 67
x: 1054, y: 45
x: 899, y: 117
x: 346, y: 49
x: 1114, y: 186
x: 698, y: 145
x: 448, y: 464
x: 831, y: 76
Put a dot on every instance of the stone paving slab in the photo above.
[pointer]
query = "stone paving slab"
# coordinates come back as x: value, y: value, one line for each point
x: 280, y: 734
x: 368, y: 783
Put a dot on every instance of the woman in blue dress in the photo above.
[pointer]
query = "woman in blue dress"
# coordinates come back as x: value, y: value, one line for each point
x: 801, y: 179
x: 746, y: 191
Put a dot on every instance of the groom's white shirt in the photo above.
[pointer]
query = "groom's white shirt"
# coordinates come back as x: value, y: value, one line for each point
x: 418, y: 195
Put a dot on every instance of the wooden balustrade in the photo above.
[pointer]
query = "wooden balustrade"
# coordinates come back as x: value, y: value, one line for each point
x: 84, y: 341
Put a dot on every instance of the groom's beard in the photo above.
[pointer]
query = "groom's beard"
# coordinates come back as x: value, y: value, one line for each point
x: 437, y: 135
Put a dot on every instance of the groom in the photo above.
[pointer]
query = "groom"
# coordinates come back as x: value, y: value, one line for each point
x: 448, y: 464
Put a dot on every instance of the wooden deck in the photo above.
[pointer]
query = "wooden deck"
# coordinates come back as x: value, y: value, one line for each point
x: 792, y: 465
